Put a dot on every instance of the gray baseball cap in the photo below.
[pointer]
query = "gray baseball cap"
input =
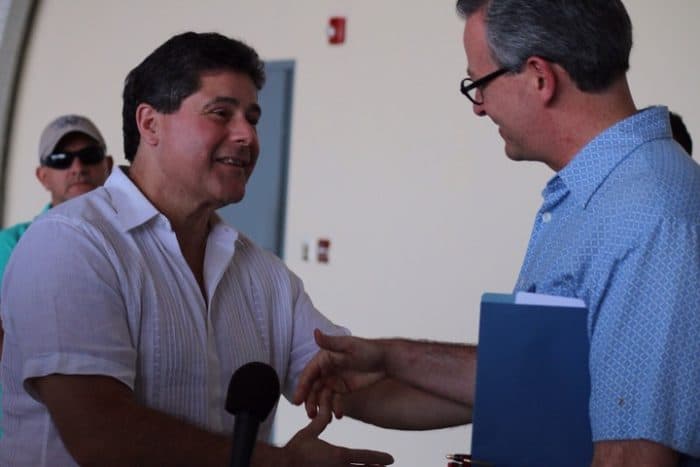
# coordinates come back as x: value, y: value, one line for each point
x: 63, y: 125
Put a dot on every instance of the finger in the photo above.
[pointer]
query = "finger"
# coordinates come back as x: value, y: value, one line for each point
x: 368, y: 457
x: 311, y: 373
x: 312, y: 399
x: 311, y: 409
x: 325, y: 401
x: 338, y: 410
x: 322, y: 418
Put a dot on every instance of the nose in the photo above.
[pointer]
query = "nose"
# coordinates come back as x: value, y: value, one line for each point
x: 77, y: 166
x: 479, y: 110
x: 242, y: 131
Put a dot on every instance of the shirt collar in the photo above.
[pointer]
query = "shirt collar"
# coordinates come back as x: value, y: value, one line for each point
x: 133, y: 208
x: 592, y: 165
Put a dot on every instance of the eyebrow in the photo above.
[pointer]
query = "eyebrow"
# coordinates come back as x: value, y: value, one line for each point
x: 232, y: 101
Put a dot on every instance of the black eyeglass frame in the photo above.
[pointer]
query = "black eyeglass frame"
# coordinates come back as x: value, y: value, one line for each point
x: 468, y: 84
x: 90, y: 155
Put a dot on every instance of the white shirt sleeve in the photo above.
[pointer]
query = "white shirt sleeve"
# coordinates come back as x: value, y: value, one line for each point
x: 63, y: 307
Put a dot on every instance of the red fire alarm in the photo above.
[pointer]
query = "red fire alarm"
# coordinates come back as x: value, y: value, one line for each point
x: 323, y: 250
x: 336, y: 30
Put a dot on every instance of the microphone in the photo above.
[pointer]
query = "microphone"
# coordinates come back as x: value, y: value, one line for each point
x: 252, y: 393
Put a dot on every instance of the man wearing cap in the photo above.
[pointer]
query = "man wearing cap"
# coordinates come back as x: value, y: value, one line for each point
x: 72, y: 161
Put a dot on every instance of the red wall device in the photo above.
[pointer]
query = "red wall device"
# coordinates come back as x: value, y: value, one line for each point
x: 336, y: 30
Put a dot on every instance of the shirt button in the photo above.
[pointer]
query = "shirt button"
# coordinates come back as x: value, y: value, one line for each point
x: 546, y: 217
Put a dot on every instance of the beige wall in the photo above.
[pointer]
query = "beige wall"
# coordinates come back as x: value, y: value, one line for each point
x: 423, y: 209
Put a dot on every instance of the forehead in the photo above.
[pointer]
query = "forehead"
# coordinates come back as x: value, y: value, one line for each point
x: 476, y: 47
x: 228, y: 84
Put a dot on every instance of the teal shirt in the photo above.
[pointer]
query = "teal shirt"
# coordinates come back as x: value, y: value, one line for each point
x: 8, y: 241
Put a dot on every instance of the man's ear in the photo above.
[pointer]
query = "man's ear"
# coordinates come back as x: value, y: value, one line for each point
x: 41, y: 175
x: 544, y: 77
x: 148, y: 123
x: 110, y: 163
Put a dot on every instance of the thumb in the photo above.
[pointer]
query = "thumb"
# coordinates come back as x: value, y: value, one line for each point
x: 332, y: 343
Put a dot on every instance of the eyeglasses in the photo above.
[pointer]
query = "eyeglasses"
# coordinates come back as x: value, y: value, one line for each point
x: 90, y: 155
x: 469, y: 87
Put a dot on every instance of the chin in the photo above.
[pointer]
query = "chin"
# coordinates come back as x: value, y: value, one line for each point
x: 232, y: 198
x: 510, y: 154
x: 77, y: 191
x: 515, y: 154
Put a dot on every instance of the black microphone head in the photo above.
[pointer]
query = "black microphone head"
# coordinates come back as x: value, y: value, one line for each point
x: 254, y: 389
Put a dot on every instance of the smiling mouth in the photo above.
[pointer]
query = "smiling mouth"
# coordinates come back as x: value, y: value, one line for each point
x: 233, y: 161
x: 239, y: 157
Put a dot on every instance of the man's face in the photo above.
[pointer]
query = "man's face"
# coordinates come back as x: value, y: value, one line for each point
x: 504, y: 98
x: 209, y: 147
x: 78, y: 178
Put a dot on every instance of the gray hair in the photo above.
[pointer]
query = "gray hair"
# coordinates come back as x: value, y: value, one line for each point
x: 590, y: 39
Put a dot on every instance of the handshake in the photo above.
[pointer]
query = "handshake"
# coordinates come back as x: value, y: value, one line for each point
x: 392, y: 383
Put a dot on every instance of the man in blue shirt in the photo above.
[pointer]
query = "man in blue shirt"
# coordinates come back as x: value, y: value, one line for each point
x: 619, y: 228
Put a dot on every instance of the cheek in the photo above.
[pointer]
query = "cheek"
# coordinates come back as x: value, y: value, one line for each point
x: 185, y: 137
x: 57, y: 181
x: 60, y: 178
x: 98, y: 173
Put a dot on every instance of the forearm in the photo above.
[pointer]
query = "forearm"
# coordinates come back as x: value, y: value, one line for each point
x: 155, y: 439
x: 100, y: 423
x: 445, y: 370
x: 141, y: 436
x: 396, y: 405
x: 633, y: 453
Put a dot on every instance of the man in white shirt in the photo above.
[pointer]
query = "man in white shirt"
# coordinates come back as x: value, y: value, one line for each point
x: 147, y: 300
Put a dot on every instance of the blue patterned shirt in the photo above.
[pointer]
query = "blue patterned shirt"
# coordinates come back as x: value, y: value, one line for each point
x: 620, y: 228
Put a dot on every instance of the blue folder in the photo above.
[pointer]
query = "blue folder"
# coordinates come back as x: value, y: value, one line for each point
x: 532, y: 386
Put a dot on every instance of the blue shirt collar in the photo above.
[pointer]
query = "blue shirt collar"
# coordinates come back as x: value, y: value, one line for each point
x: 592, y: 165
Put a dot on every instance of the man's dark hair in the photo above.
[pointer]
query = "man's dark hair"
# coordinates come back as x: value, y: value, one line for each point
x: 172, y: 72
x: 590, y: 39
x: 680, y: 133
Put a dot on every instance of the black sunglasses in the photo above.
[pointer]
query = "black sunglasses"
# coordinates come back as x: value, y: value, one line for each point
x: 90, y: 155
x: 469, y: 87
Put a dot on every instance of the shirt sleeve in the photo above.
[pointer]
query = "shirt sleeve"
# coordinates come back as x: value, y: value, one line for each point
x: 61, y: 306
x: 645, y: 343
x: 306, y: 319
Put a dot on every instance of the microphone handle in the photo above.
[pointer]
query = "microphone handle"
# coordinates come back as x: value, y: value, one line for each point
x: 245, y: 432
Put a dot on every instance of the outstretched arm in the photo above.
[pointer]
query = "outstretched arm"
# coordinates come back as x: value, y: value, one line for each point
x: 403, y: 381
x: 392, y: 404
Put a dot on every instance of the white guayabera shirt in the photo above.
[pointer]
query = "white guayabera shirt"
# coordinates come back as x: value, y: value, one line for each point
x: 98, y: 285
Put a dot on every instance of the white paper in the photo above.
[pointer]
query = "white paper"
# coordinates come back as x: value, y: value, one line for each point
x: 528, y: 298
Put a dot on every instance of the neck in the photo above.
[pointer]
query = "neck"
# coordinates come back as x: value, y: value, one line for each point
x: 190, y: 222
x: 593, y: 114
x: 187, y: 218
